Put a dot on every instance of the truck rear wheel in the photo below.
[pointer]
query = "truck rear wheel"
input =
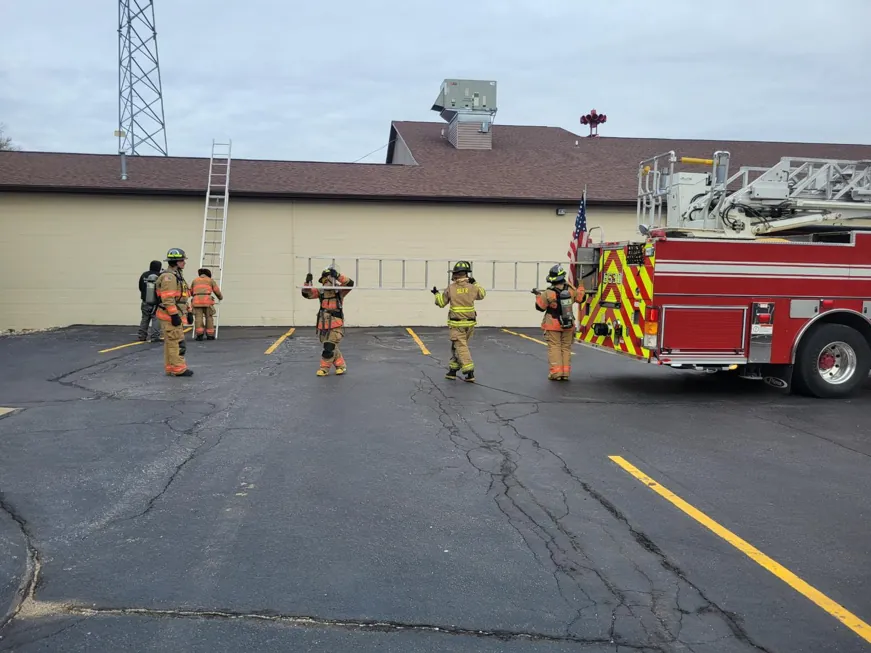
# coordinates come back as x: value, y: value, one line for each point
x: 832, y: 361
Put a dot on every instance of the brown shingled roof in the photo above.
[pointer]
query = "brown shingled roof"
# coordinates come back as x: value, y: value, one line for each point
x: 545, y: 161
x: 526, y: 164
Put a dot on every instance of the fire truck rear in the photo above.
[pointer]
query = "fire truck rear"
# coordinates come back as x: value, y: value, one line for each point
x: 709, y: 287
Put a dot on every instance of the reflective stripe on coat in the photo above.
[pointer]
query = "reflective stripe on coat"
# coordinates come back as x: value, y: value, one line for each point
x: 202, y: 289
x: 549, y: 299
x: 329, y: 301
x: 172, y: 293
x: 461, y: 295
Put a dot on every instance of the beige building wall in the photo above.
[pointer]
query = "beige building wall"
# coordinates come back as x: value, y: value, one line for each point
x: 75, y: 259
x: 443, y: 233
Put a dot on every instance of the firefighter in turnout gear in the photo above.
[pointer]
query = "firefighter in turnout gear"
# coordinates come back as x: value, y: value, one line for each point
x: 460, y: 296
x: 557, y: 304
x: 204, y: 304
x: 331, y: 317
x: 174, y: 297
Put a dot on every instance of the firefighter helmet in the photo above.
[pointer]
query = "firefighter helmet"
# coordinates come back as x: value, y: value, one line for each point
x: 176, y: 254
x: 556, y: 275
x: 331, y: 270
x: 462, y: 266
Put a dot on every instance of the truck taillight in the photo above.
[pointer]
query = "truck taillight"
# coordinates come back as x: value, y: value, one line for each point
x: 765, y: 318
x: 651, y: 328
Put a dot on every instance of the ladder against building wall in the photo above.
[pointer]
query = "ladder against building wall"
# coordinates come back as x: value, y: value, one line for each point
x: 215, y: 216
x: 373, y: 273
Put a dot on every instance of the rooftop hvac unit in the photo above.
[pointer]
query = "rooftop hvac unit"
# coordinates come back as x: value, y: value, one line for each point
x: 466, y: 95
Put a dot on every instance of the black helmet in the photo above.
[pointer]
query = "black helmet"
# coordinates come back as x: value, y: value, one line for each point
x: 331, y: 270
x: 175, y: 254
x: 462, y: 266
x: 556, y: 275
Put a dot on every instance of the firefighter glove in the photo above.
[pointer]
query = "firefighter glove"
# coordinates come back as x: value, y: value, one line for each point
x: 535, y: 291
x: 334, y: 273
x: 309, y: 277
x: 434, y: 291
x: 472, y: 280
x: 190, y: 318
x: 175, y: 318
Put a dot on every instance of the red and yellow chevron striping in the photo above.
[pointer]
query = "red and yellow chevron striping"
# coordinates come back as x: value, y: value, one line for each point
x: 622, y: 298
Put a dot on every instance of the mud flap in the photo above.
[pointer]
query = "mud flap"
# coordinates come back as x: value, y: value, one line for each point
x: 778, y: 376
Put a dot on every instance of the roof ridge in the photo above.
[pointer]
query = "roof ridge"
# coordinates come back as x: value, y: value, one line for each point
x: 646, y: 138
x: 149, y: 157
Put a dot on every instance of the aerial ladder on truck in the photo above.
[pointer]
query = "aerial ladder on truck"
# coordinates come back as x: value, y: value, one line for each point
x: 755, y: 201
x: 764, y: 271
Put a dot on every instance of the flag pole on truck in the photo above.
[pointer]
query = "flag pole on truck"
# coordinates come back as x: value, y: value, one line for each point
x: 579, y: 239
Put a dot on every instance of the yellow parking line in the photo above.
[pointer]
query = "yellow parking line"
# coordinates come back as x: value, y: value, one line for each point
x: 281, y: 339
x: 419, y: 342
x: 541, y: 342
x: 133, y: 344
x: 129, y: 344
x: 838, y: 611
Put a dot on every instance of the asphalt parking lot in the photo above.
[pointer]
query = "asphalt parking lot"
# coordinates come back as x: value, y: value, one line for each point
x: 255, y: 506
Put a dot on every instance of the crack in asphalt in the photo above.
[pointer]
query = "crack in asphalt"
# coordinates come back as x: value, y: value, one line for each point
x: 203, y: 445
x: 533, y: 519
x: 356, y: 625
x: 41, y: 638
x: 538, y: 525
x: 28, y: 582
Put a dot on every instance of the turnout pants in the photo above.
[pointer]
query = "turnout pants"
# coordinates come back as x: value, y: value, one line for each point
x: 174, y: 348
x: 461, y: 357
x: 331, y: 354
x: 204, y: 320
x: 148, y: 319
x: 559, y: 353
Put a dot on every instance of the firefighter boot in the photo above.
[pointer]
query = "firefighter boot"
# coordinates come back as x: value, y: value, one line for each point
x: 210, y: 337
x: 470, y: 376
x: 323, y: 371
x: 199, y: 337
x: 451, y: 375
x: 341, y: 366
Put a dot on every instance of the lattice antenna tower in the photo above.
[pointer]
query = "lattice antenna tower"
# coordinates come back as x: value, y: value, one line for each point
x: 140, y: 96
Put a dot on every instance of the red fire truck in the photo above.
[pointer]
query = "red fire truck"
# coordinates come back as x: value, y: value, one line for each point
x: 754, y: 272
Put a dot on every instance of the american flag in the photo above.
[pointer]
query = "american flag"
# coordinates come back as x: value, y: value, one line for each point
x: 579, y: 239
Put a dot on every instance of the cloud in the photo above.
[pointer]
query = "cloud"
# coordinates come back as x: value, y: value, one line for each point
x: 321, y: 81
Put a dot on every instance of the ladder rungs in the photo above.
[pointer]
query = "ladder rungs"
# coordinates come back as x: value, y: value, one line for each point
x: 217, y: 201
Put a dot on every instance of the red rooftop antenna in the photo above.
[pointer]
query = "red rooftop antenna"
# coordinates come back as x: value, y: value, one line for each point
x: 593, y: 120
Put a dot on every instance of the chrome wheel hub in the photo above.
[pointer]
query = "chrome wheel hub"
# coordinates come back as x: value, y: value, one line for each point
x: 837, y: 363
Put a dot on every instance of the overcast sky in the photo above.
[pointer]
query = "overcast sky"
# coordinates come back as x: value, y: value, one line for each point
x: 321, y: 81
